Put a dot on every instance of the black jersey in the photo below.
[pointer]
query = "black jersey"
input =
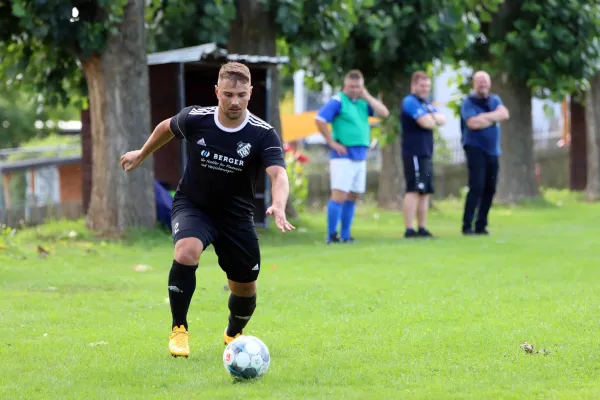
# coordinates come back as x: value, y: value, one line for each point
x: 224, y: 163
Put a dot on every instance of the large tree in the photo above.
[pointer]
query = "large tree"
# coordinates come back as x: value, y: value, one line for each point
x: 592, y: 117
x: 48, y: 42
x: 391, y: 41
x: 533, y: 48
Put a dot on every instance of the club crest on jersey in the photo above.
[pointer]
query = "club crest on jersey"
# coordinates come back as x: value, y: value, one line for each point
x: 243, y: 149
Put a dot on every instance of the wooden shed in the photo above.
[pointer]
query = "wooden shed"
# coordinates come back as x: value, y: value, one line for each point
x: 183, y: 77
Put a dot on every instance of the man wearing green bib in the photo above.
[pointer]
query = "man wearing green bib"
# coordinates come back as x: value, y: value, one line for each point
x: 348, y: 113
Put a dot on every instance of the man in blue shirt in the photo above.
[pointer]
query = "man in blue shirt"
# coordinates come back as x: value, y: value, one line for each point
x: 418, y: 120
x: 481, y: 114
x: 348, y: 113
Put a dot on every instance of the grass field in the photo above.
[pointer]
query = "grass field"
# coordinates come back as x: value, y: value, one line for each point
x: 384, y: 318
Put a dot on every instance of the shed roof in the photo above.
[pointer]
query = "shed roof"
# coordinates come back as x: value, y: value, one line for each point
x: 209, y: 52
x: 37, y: 163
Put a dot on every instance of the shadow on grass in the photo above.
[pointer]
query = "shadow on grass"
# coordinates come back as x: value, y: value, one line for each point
x: 548, y: 199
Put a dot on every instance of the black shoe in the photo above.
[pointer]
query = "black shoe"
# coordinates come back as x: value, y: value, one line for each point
x: 410, y: 233
x: 349, y: 240
x: 468, y: 232
x: 333, y: 238
x: 424, y: 233
x: 481, y: 232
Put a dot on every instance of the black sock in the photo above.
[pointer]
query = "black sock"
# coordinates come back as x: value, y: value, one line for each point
x: 241, y: 309
x: 182, y: 283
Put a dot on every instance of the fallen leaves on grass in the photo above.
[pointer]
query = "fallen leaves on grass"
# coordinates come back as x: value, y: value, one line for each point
x: 102, y: 342
x: 42, y: 251
x: 528, y: 347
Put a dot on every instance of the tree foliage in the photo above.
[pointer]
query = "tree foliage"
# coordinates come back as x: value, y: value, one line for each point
x: 395, y: 38
x: 181, y: 23
x: 42, y: 44
x: 18, y: 114
x: 553, y: 46
x: 42, y: 41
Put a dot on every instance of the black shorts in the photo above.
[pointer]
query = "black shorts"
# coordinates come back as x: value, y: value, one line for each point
x: 418, y: 173
x: 235, y: 241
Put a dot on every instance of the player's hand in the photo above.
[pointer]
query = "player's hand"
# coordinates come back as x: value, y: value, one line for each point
x: 282, y: 224
x: 338, y: 148
x: 131, y: 160
x: 365, y: 93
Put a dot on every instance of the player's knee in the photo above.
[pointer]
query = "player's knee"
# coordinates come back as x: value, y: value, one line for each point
x: 353, y: 196
x: 247, y: 289
x: 339, y: 196
x: 188, y: 251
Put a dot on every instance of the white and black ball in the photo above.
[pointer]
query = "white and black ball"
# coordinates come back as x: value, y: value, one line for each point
x: 246, y: 357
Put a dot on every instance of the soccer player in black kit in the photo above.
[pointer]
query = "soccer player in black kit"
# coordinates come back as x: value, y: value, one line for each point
x: 229, y: 147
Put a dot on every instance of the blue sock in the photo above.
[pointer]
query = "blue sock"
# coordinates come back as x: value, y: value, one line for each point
x: 334, y: 212
x: 347, y: 217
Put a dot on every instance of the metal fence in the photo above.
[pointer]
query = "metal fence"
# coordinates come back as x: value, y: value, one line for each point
x: 450, y: 152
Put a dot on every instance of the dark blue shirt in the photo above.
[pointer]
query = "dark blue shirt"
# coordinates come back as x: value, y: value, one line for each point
x: 416, y: 141
x: 487, y: 139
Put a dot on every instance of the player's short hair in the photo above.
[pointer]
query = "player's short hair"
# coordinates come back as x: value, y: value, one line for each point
x: 354, y: 74
x: 235, y: 71
x: 417, y: 76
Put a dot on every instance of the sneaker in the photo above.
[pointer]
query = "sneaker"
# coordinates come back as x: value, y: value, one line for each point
x: 481, y: 232
x: 228, y: 339
x: 333, y: 238
x: 178, y: 342
x: 349, y: 240
x: 410, y: 233
x: 468, y: 232
x: 424, y: 233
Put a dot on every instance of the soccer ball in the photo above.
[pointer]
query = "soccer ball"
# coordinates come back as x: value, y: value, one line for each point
x: 246, y: 357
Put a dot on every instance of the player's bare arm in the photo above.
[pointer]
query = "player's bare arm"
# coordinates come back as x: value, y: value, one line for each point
x: 440, y: 118
x: 280, y: 189
x: 378, y: 107
x: 161, y: 135
x: 488, y: 119
x: 324, y: 129
x: 500, y: 114
x: 427, y: 121
x: 479, y: 122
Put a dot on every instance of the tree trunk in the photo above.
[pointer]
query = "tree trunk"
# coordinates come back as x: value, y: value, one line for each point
x: 119, y: 100
x: 592, y: 116
x: 391, y: 177
x: 517, y: 164
x: 254, y: 32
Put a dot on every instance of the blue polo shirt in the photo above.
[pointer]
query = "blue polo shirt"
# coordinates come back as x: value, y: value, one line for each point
x: 328, y: 113
x: 416, y: 140
x: 487, y: 139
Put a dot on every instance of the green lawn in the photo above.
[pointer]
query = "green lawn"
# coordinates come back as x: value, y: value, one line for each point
x: 384, y: 318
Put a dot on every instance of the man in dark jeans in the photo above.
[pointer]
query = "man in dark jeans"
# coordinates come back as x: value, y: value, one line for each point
x: 481, y: 114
